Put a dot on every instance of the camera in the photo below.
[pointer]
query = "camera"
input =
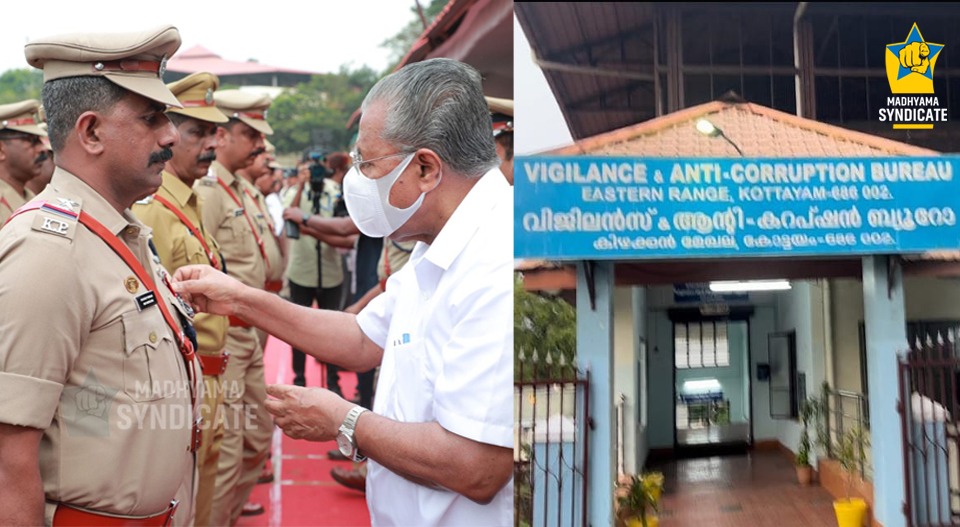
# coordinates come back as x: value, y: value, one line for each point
x: 318, y: 170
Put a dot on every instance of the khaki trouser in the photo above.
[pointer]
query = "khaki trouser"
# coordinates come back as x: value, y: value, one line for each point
x: 209, y: 453
x: 247, y: 426
x: 184, y: 517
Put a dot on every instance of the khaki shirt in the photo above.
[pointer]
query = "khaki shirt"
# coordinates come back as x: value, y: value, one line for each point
x: 104, y: 380
x: 227, y: 223
x: 11, y: 200
x: 394, y: 256
x: 177, y: 246
x: 302, y: 264
x: 257, y: 206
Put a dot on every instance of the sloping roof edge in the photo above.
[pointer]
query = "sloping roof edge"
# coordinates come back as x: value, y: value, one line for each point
x: 584, y: 146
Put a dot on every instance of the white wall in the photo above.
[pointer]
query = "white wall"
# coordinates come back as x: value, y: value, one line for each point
x: 762, y: 324
x: 801, y: 310
x: 625, y: 370
x: 926, y: 299
x: 639, y: 298
x: 660, y: 416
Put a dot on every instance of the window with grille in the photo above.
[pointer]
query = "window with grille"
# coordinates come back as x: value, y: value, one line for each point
x: 701, y: 345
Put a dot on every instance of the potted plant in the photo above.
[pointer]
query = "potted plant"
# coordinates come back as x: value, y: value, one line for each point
x: 638, y: 498
x: 810, y: 411
x: 802, y: 461
x: 850, y: 454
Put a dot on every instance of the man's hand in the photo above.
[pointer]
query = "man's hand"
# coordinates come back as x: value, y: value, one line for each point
x: 915, y: 56
x: 314, y: 414
x: 208, y: 290
x: 303, y: 175
x: 293, y: 214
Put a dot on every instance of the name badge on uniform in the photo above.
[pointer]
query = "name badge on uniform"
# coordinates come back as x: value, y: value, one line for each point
x: 146, y: 300
x: 237, y: 213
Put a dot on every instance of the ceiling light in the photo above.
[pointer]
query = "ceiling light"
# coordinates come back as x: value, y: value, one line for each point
x: 753, y: 285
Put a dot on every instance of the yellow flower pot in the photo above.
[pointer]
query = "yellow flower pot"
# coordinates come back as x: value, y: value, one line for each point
x: 652, y: 521
x: 655, y: 494
x: 851, y: 512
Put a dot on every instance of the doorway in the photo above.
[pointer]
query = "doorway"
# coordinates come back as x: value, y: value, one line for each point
x: 712, y: 384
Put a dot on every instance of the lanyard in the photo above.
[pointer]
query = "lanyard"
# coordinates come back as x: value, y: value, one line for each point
x: 253, y: 228
x: 4, y: 202
x: 266, y: 216
x: 214, y: 261
x: 124, y: 252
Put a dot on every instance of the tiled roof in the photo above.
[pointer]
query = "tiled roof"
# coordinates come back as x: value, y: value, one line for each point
x: 199, y: 58
x: 758, y: 131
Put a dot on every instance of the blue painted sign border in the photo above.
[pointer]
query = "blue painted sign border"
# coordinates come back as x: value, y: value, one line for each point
x: 616, y: 208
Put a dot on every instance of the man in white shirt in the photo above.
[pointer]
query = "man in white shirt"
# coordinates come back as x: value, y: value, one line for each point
x: 440, y: 436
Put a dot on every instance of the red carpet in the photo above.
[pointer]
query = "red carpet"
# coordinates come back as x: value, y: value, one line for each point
x: 303, y: 493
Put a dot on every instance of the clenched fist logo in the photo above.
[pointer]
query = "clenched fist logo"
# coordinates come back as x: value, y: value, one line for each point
x: 92, y: 400
x: 916, y: 56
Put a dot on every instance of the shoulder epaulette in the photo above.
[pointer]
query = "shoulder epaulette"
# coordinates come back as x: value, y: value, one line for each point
x: 58, y: 217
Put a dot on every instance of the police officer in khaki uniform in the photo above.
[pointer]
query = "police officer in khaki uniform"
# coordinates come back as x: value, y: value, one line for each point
x: 178, y: 234
x: 21, y: 153
x: 229, y: 215
x: 501, y: 113
x: 97, y: 370
x: 260, y: 173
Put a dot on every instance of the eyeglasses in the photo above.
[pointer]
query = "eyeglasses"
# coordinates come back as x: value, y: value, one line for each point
x: 359, y: 161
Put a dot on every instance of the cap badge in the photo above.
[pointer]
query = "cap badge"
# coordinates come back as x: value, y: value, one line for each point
x: 208, y: 98
x: 163, y: 67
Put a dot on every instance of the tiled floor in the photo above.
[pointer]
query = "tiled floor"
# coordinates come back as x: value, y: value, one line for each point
x: 756, y: 490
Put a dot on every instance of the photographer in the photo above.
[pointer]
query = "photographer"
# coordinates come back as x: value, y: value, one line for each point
x: 315, y: 269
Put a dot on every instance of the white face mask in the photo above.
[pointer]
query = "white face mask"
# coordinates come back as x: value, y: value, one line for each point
x: 368, y: 201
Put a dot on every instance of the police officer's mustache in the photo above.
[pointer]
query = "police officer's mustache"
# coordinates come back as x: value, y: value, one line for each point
x: 41, y: 158
x: 258, y: 151
x: 162, y: 156
x: 207, y: 157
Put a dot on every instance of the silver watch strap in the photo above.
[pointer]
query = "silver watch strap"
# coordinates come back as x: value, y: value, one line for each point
x: 350, y: 421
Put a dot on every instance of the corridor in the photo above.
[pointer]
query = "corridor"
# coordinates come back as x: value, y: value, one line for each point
x: 758, y: 489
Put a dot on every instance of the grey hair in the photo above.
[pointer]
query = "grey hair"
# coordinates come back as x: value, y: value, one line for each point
x: 64, y: 100
x: 438, y: 104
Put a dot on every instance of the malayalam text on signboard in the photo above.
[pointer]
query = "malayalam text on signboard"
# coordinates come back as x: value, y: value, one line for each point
x: 638, y: 208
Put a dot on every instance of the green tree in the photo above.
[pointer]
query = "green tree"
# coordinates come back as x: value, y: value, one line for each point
x: 314, y: 115
x: 20, y: 84
x: 544, y: 335
x: 400, y: 43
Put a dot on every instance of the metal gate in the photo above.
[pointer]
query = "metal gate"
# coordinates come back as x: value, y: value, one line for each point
x: 929, y: 411
x: 550, y: 470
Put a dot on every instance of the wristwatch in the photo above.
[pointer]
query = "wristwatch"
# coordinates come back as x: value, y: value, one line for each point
x: 305, y: 219
x: 345, y: 438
